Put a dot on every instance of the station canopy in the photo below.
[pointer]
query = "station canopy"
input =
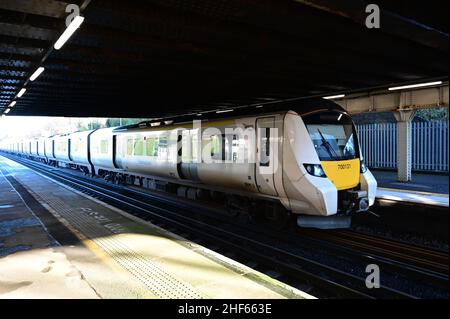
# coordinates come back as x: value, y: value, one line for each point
x: 156, y: 58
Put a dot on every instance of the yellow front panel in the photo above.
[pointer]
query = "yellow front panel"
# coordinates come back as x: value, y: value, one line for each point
x: 343, y: 174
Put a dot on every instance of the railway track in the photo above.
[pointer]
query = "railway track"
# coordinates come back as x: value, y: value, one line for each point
x: 410, y: 262
x: 421, y: 257
x: 294, y: 269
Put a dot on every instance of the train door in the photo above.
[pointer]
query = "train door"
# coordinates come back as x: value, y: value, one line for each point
x: 69, y: 149
x: 179, y: 157
x: 114, y: 151
x: 189, y: 153
x: 266, y: 151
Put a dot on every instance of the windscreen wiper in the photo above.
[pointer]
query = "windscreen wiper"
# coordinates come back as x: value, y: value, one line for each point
x: 327, y: 145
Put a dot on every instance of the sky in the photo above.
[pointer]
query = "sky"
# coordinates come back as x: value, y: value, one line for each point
x: 35, y: 127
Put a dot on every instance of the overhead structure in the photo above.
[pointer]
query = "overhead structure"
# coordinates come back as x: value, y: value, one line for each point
x: 403, y: 102
x: 395, y: 100
x: 155, y: 58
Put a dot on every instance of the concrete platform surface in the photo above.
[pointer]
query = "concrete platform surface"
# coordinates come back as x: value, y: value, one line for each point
x: 56, y: 242
x: 423, y: 198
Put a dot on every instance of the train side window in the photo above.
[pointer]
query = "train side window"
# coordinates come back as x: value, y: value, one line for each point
x: 186, y: 147
x: 195, y: 147
x: 227, y: 148
x: 130, y: 147
x: 162, y: 147
x: 151, y: 147
x: 235, y: 148
x: 138, y: 147
x: 216, y: 146
x: 264, y: 151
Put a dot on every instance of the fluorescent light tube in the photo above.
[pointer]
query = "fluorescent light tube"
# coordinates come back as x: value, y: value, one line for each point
x: 13, y: 103
x: 334, y: 97
x: 37, y: 73
x: 224, y: 111
x: 76, y: 23
x: 7, y: 111
x: 22, y: 92
x: 413, y: 86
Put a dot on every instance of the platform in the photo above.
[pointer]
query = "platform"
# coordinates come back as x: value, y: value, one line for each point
x: 425, y: 189
x: 412, y: 197
x: 56, y: 242
x: 421, y: 182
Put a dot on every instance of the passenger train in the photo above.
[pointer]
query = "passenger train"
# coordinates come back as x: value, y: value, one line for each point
x: 302, y: 161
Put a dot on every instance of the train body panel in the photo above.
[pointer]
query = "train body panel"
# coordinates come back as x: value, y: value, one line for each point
x: 148, y: 152
x: 307, y: 194
x: 34, y: 147
x: 61, y: 148
x: 102, y: 149
x: 226, y: 158
x: 79, y: 148
x: 41, y: 148
x: 369, y: 184
x: 27, y: 147
x: 50, y: 148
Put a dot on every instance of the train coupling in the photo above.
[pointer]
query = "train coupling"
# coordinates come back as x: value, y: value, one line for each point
x: 355, y: 201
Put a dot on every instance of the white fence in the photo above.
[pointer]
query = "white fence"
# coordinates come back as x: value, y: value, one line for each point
x: 429, y: 145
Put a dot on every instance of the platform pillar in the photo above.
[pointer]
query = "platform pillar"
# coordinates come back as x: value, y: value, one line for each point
x: 404, y: 144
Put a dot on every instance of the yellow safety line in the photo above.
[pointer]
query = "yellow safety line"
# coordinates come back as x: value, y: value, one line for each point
x: 113, y: 265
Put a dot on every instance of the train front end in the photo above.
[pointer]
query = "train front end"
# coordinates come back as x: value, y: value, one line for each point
x: 337, y: 181
x: 335, y: 141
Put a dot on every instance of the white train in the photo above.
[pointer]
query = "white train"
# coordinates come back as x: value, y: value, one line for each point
x: 281, y: 163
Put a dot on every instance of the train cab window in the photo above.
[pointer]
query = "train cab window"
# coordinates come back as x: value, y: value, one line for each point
x: 333, y: 135
x: 264, y: 151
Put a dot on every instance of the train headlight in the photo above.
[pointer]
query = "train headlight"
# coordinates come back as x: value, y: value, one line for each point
x: 363, y: 167
x: 315, y: 170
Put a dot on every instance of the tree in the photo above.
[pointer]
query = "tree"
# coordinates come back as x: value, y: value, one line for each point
x: 95, y: 125
x: 113, y: 122
x: 434, y: 114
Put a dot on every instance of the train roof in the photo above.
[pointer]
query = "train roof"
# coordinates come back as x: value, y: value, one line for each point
x: 301, y: 106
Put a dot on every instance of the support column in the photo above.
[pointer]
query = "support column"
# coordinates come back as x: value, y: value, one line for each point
x: 404, y: 144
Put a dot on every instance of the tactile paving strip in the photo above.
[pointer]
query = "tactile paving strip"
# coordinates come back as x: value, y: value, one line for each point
x: 157, y: 280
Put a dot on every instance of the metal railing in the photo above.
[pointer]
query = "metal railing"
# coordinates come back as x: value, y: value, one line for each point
x: 430, y: 145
